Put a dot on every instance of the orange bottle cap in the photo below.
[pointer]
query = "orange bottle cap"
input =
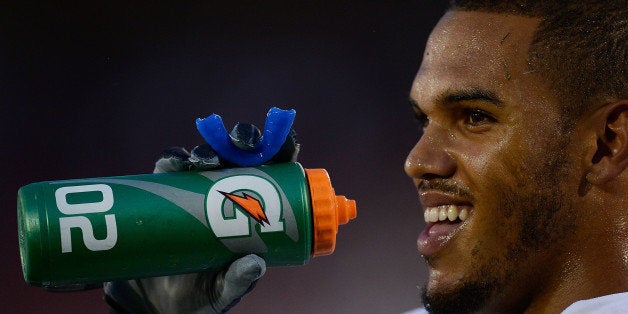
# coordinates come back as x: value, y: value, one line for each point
x: 328, y: 211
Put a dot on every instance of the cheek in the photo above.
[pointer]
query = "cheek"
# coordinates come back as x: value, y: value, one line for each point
x: 514, y: 159
x: 488, y: 163
x: 495, y: 174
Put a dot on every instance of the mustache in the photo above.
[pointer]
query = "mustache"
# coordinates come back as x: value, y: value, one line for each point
x: 446, y: 186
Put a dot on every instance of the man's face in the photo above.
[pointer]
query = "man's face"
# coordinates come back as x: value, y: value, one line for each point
x: 495, y: 158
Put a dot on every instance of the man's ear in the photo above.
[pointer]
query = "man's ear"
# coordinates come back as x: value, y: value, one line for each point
x: 611, y: 157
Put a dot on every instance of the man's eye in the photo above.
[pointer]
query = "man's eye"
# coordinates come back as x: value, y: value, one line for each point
x: 477, y: 117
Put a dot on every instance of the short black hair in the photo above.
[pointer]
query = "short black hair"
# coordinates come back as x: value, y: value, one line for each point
x: 579, y: 46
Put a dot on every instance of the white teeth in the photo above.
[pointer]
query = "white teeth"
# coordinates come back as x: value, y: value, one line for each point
x: 464, y: 213
x: 444, y: 212
x: 433, y: 214
x: 452, y: 212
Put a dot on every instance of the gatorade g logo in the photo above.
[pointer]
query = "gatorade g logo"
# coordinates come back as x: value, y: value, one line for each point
x: 240, y: 201
x: 232, y: 200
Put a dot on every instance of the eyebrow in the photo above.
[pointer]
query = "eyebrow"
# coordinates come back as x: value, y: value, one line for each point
x: 470, y: 94
x: 466, y: 94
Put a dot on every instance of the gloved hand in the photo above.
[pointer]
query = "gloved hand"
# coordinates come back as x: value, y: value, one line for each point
x: 203, y: 157
x: 207, y: 292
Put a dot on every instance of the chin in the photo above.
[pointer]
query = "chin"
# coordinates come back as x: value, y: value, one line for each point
x: 445, y: 293
x: 445, y: 276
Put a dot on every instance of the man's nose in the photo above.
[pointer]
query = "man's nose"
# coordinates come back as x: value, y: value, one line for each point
x: 431, y: 156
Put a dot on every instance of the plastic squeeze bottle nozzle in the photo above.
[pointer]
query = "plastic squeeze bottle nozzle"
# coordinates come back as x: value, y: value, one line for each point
x: 77, y: 232
x: 328, y: 211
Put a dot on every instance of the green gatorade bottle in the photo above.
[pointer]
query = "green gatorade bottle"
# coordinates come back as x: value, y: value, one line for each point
x: 83, y: 231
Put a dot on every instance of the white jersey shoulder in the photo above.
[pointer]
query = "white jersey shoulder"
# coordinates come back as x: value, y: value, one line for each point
x: 608, y: 304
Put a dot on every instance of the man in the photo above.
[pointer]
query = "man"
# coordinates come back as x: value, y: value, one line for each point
x: 520, y: 167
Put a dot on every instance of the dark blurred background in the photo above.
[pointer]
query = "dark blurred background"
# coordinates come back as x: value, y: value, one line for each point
x: 93, y: 89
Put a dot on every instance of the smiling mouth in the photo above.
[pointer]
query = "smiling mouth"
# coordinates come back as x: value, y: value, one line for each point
x: 442, y: 223
x: 445, y: 212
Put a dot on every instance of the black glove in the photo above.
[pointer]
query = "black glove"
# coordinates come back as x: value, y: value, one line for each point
x: 206, y: 292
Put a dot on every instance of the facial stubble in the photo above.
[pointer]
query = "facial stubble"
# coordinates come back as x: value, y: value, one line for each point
x: 538, y: 209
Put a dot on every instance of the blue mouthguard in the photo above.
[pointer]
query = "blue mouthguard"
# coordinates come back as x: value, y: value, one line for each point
x: 276, y: 130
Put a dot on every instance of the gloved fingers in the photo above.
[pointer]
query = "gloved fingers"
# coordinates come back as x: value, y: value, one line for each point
x: 289, y: 151
x: 245, y: 136
x: 127, y: 297
x: 173, y: 159
x: 230, y: 286
x: 203, y: 157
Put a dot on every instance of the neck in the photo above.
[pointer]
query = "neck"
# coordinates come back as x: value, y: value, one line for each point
x: 595, y: 265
